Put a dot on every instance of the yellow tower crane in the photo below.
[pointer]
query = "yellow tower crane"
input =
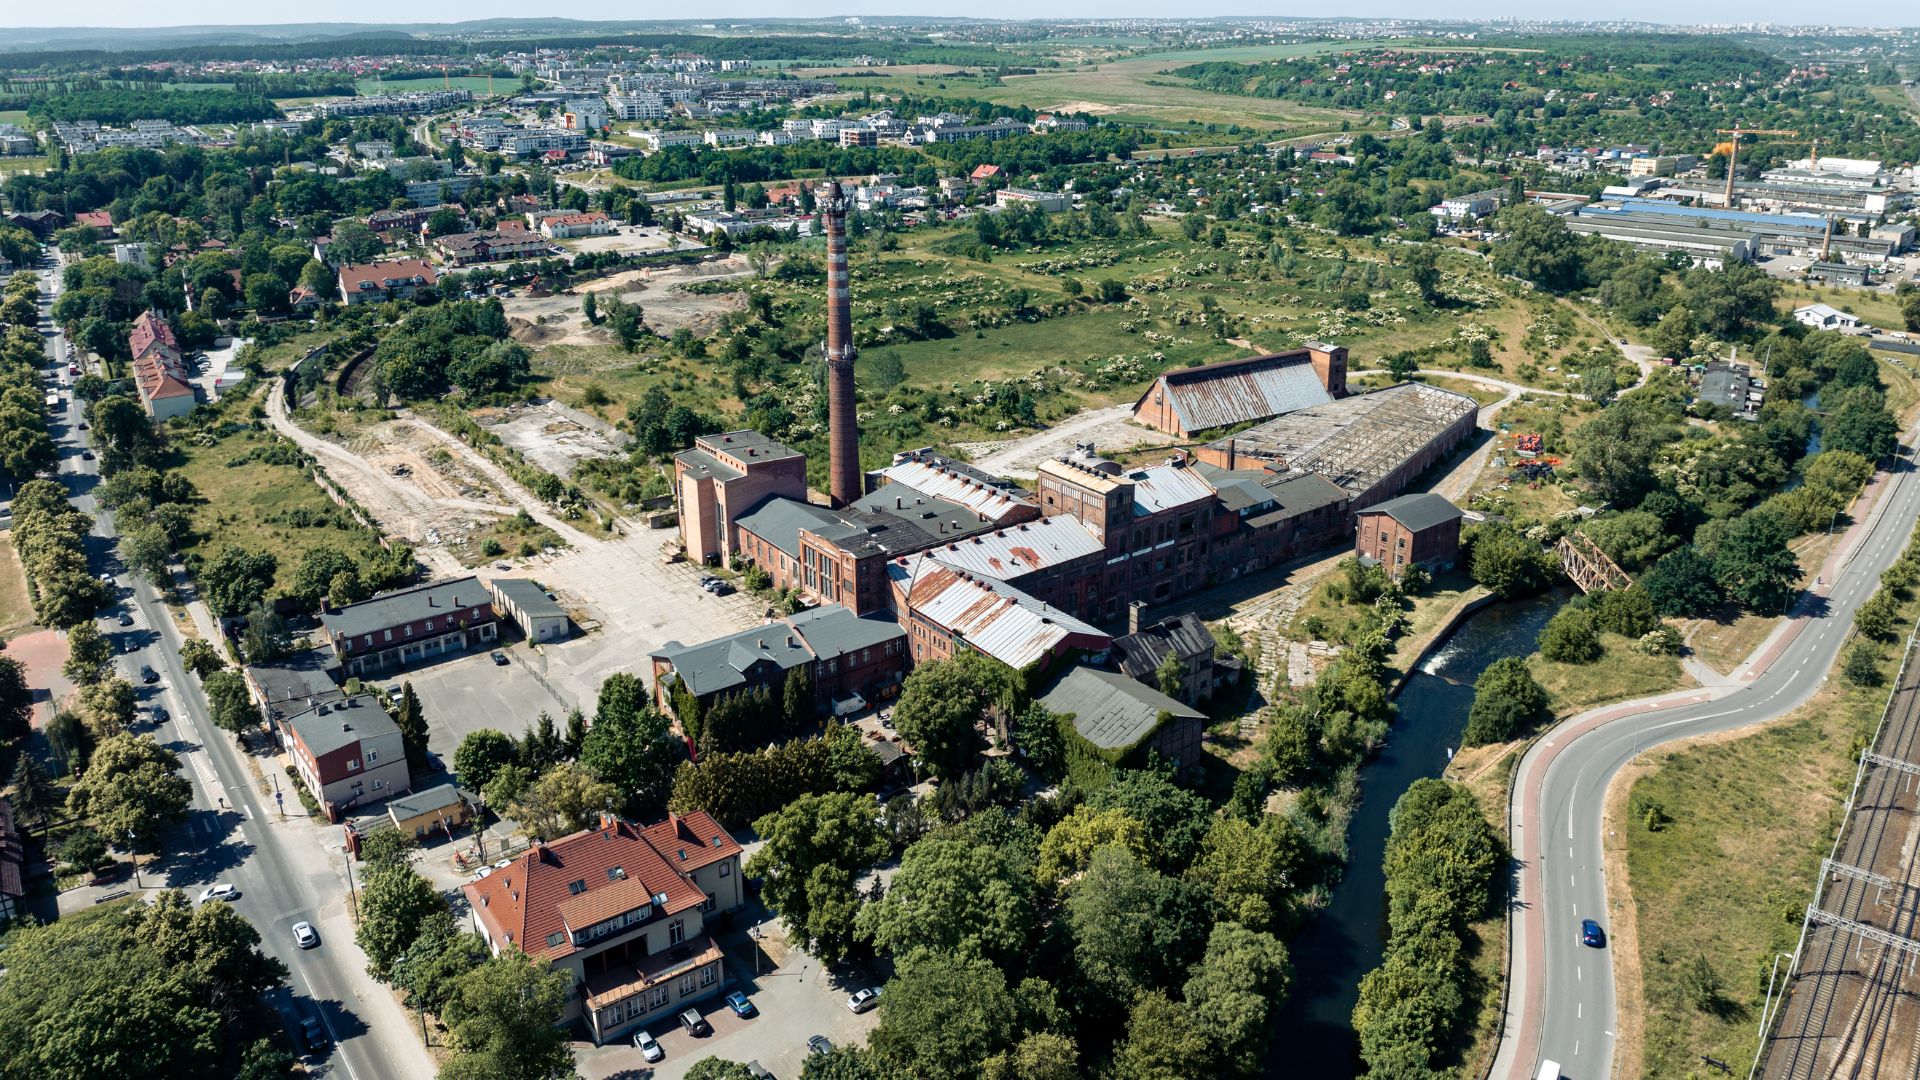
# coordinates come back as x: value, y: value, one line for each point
x: 1733, y: 155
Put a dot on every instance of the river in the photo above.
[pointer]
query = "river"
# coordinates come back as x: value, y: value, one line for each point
x: 1313, y: 1034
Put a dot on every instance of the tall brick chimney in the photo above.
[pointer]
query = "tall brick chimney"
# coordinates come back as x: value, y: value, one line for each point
x: 1330, y: 363
x: 843, y: 434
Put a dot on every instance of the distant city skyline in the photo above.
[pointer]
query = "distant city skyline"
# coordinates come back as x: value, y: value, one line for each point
x: 141, y: 13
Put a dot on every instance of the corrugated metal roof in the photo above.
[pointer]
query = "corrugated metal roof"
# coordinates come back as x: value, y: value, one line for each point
x: 1164, y: 487
x: 1239, y: 391
x: 1356, y: 441
x: 991, y: 616
x: 937, y: 478
x: 1018, y: 550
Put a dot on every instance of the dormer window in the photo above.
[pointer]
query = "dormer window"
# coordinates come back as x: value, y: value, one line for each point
x: 615, y: 873
x: 577, y: 887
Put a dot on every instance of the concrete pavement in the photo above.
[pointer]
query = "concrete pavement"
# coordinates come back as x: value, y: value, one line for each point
x: 1561, y: 1004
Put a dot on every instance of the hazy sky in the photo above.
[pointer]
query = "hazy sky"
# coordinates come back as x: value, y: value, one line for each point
x: 177, y: 12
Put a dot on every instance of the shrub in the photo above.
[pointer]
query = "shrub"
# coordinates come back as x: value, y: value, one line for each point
x: 1570, y: 638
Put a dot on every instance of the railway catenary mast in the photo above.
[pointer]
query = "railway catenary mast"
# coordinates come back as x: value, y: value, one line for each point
x: 843, y: 427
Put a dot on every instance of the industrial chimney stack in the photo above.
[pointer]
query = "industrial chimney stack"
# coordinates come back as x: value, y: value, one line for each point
x: 843, y: 435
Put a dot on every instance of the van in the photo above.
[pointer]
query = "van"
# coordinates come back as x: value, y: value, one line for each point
x: 695, y: 1024
x: 1549, y: 1070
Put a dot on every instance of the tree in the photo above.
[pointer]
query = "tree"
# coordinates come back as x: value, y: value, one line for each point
x: 34, y: 796
x: 627, y: 321
x: 1754, y: 563
x: 953, y: 896
x: 1507, y: 562
x: 565, y: 799
x: 107, y: 707
x: 1570, y: 637
x: 1506, y: 702
x: 1251, y: 869
x: 590, y: 308
x: 200, y: 657
x: 1537, y: 246
x: 83, y: 849
x: 1682, y: 584
x: 427, y: 972
x: 814, y: 848
x: 940, y: 709
x: 132, y: 789
x: 231, y: 703
x: 1131, y: 927
x: 1863, y: 426
x: 1862, y: 666
x: 16, y: 699
x: 496, y: 367
x: 123, y: 433
x: 314, y: 575
x: 945, y: 1016
x: 397, y: 906
x: 1171, y: 676
x: 1876, y: 618
x: 234, y: 581
x: 387, y: 848
x: 1070, y: 845
x: 1162, y: 1043
x: 480, y: 756
x: 1175, y: 819
x: 1614, y: 451
x: 631, y: 746
x: 505, y: 1019
x: 89, y: 654
x: 412, y: 722
x: 1673, y: 336
x: 1232, y: 992
x: 353, y: 242
x: 713, y: 1068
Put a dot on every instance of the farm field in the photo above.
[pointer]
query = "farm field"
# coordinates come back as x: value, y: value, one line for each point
x: 475, y: 83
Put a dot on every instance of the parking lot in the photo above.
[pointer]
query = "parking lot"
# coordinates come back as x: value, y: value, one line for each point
x: 470, y: 692
x: 798, y: 1000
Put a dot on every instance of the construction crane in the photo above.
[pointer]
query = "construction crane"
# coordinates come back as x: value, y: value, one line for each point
x: 1733, y: 155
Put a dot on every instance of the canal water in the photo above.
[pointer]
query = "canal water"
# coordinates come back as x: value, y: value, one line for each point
x: 1313, y: 1035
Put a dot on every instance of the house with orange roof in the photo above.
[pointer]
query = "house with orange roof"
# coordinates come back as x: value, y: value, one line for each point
x: 160, y: 371
x: 623, y: 908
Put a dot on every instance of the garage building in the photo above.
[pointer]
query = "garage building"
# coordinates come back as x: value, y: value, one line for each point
x: 527, y: 604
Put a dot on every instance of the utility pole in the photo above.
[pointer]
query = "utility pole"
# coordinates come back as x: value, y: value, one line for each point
x: 136, y: 860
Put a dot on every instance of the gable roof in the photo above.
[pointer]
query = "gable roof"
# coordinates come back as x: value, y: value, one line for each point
x: 1018, y: 550
x: 566, y: 886
x: 1110, y: 710
x: 1238, y: 391
x: 937, y: 477
x: 779, y: 520
x: 378, y: 276
x: 990, y: 616
x: 1418, y: 512
x: 402, y: 606
x: 1142, y: 653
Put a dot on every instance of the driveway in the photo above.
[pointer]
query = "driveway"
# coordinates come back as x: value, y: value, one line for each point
x: 799, y: 999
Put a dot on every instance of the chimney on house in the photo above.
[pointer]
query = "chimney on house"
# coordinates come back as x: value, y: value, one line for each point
x: 843, y: 433
x: 1136, y: 614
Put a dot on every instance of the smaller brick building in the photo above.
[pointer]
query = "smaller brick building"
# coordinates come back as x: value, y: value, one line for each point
x: 1412, y: 530
x: 403, y: 627
x: 725, y: 477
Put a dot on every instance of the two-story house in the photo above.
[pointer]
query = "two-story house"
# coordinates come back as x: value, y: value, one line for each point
x: 395, y: 629
x: 623, y: 909
x: 348, y: 753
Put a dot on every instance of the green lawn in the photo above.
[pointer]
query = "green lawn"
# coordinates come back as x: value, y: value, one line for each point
x: 255, y: 505
x: 23, y: 164
x: 1622, y: 672
x: 16, y: 607
x: 17, y: 117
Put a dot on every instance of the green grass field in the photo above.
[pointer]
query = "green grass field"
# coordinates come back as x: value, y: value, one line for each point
x: 253, y: 504
x: 13, y: 116
x: 22, y: 164
x: 16, y: 608
x: 404, y: 84
x: 1622, y: 672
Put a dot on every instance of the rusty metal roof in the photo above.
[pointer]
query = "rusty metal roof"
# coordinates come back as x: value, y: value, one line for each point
x: 991, y: 616
x: 1356, y: 442
x: 1240, y: 391
x: 1018, y: 550
x: 937, y: 478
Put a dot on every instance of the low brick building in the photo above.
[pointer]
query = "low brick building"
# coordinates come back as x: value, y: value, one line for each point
x: 406, y: 626
x: 348, y: 753
x: 1412, y: 530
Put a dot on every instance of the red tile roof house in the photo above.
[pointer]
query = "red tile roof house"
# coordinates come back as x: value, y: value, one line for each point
x: 159, y: 371
x: 623, y: 909
x: 100, y: 221
x: 374, y: 283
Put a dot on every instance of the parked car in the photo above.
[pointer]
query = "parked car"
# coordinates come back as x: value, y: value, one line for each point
x: 221, y: 891
x: 695, y: 1024
x: 126, y: 619
x: 304, y: 935
x: 721, y: 588
x: 161, y: 715
x: 863, y: 999
x: 498, y: 657
x: 1591, y: 934
x: 819, y: 1044
x: 758, y: 1071
x: 86, y: 455
x: 648, y: 1046
x: 148, y: 675
x: 741, y: 1007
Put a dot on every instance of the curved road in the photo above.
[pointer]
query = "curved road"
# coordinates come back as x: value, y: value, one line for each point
x: 1561, y: 1002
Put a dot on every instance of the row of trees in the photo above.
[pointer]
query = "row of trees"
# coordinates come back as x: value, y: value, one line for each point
x: 1442, y: 864
x: 26, y: 447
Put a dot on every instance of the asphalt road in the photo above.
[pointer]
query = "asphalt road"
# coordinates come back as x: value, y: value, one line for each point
x: 283, y: 873
x: 1577, y: 1020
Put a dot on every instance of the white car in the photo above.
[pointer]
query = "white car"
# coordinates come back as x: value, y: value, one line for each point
x: 222, y: 891
x: 304, y: 935
x: 648, y: 1046
x: 862, y: 1000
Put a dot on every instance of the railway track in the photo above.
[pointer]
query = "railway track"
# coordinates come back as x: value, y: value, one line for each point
x: 1852, y: 1010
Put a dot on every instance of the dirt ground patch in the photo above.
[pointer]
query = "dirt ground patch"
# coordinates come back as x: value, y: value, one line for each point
x: 551, y: 436
x: 660, y: 292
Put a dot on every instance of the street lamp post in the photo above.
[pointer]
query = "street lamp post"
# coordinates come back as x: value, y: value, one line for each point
x: 136, y: 860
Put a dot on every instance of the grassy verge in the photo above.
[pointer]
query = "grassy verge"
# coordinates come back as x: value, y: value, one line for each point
x: 1622, y: 672
x: 1487, y: 771
x: 16, y: 606
x: 22, y: 164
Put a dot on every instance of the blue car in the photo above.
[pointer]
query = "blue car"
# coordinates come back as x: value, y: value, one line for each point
x: 741, y: 1007
x: 1591, y: 934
